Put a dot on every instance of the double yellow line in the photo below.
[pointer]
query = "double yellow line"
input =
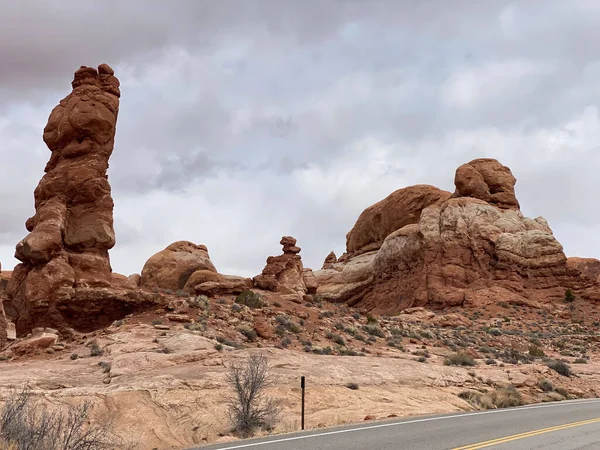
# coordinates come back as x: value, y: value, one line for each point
x: 514, y: 437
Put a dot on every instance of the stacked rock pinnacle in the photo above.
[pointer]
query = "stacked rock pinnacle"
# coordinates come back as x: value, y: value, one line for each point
x: 72, y: 229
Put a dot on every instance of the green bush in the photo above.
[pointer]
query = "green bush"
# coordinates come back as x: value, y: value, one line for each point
x: 373, y: 330
x: 353, y: 386
x: 536, y: 352
x: 459, y: 359
x: 560, y: 367
x: 250, y: 299
x: 545, y: 385
x: 569, y: 296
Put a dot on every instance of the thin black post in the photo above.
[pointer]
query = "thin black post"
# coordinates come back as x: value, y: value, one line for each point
x: 302, y: 385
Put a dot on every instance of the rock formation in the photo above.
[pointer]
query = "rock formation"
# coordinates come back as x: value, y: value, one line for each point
x: 487, y: 180
x: 589, y: 267
x: 329, y: 260
x: 186, y: 266
x: 398, y: 209
x: 64, y: 278
x: 285, y: 273
x: 471, y: 249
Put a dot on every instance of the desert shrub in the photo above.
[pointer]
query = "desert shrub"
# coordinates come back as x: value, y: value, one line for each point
x: 236, y: 308
x: 249, y: 408
x: 25, y: 423
x: 287, y: 323
x: 95, y: 349
x: 535, y: 341
x: 336, y: 338
x: 285, y: 342
x: 249, y: 298
x: 157, y: 322
x: 560, y: 367
x: 580, y: 361
x: 514, y: 356
x: 490, y: 362
x: 356, y: 316
x: 105, y: 366
x: 536, y: 352
x: 505, y: 397
x: 545, y: 385
x: 569, y: 296
x: 248, y: 332
x: 228, y: 342
x: 495, y: 332
x: 422, y: 359
x: 324, y: 314
x: 373, y: 330
x: 219, y: 347
x: 459, y: 359
x: 352, y: 386
x: 371, y: 319
x: 74, y: 356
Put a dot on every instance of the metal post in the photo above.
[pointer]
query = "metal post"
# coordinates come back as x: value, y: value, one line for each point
x: 302, y: 385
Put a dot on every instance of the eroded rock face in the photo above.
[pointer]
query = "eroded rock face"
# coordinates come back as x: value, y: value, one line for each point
x: 589, y: 267
x: 461, y: 251
x: 172, y: 267
x: 400, y: 208
x: 71, y: 232
x: 284, y: 273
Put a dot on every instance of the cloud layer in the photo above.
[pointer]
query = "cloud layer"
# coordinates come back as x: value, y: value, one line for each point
x: 241, y: 122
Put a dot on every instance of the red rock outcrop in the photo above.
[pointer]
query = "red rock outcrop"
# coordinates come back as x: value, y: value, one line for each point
x: 461, y: 251
x: 329, y: 260
x: 186, y: 266
x: 285, y: 273
x: 64, y: 278
x: 589, y: 267
x: 172, y: 267
x: 400, y: 208
x: 487, y: 180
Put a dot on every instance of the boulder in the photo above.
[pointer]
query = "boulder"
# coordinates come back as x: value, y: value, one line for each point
x: 488, y: 180
x: 172, y: 267
x: 400, y: 208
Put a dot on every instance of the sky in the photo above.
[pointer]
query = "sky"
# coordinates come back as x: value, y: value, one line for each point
x: 244, y: 121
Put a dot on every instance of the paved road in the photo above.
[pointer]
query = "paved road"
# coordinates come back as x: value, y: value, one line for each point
x: 565, y: 425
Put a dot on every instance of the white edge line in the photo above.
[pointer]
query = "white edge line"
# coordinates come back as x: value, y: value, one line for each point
x: 429, y: 419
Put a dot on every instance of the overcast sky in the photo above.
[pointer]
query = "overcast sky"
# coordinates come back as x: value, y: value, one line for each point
x: 243, y: 121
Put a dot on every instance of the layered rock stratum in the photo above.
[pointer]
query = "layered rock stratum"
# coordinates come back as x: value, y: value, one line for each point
x: 470, y: 248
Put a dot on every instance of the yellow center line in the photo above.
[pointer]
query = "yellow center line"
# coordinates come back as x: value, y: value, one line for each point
x: 514, y: 437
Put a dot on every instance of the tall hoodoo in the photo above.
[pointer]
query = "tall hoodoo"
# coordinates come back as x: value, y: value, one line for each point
x: 72, y: 229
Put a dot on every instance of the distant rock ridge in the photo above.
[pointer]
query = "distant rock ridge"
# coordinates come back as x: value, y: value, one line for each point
x: 469, y: 248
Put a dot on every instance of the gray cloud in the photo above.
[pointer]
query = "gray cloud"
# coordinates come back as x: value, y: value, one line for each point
x: 244, y: 121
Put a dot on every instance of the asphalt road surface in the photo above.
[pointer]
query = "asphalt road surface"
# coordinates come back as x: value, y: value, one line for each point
x: 567, y: 425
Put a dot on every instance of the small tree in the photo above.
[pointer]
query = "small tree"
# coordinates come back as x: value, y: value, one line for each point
x: 249, y: 410
x: 569, y: 296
